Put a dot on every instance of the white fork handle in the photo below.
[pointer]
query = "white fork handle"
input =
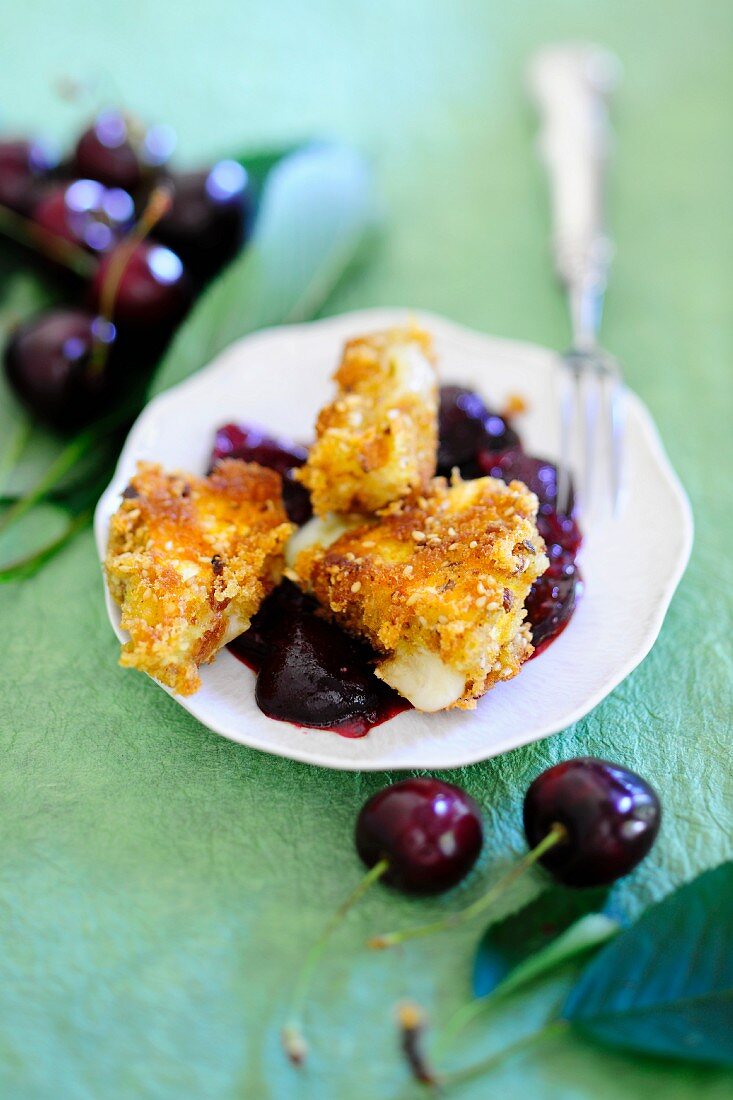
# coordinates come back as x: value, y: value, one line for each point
x: 571, y: 84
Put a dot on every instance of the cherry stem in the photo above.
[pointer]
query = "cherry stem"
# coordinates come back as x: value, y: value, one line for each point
x: 556, y: 834
x: 157, y: 206
x: 411, y: 1020
x: 461, y: 1018
x: 27, y: 232
x: 550, y: 1031
x: 293, y: 1040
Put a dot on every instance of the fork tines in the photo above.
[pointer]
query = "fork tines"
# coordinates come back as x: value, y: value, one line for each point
x: 591, y: 431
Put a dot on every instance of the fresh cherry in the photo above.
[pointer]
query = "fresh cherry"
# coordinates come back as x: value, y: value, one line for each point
x: 48, y: 365
x: 253, y: 445
x: 117, y: 151
x: 86, y: 213
x: 551, y: 602
x: 588, y: 821
x: 23, y: 164
x: 467, y: 426
x: 209, y: 217
x: 610, y: 815
x: 421, y: 836
x: 104, y: 152
x: 153, y: 292
x: 429, y: 832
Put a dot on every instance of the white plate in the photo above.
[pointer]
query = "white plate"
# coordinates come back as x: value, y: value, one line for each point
x: 278, y: 379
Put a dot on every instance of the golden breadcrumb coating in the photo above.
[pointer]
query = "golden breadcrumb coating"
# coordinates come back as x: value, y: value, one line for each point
x: 444, y: 577
x: 376, y: 442
x: 189, y: 562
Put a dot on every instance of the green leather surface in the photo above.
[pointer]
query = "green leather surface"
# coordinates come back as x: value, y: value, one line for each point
x: 158, y: 884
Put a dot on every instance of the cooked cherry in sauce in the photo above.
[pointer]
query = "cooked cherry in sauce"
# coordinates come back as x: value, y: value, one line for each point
x: 309, y: 671
x: 253, y: 445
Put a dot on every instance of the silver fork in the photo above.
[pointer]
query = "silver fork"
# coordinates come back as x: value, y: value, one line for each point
x: 571, y: 84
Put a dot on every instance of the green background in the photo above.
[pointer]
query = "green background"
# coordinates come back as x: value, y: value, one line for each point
x: 157, y: 883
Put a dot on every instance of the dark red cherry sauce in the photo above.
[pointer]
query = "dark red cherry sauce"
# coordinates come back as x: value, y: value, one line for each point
x: 309, y: 671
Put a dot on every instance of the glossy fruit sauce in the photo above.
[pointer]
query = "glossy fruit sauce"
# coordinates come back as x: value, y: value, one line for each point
x: 309, y: 671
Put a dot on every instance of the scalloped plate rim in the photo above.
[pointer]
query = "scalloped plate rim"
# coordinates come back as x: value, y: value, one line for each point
x: 363, y: 320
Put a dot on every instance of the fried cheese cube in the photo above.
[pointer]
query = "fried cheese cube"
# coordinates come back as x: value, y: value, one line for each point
x: 189, y: 562
x: 437, y: 585
x: 376, y: 442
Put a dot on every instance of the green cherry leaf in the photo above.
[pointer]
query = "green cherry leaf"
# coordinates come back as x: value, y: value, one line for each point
x: 559, y: 927
x: 260, y: 163
x: 516, y: 940
x: 665, y: 985
x: 585, y: 935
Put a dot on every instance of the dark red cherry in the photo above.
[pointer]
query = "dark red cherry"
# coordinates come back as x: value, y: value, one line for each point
x: 538, y: 474
x: 47, y: 363
x: 466, y: 426
x: 312, y: 674
x: 551, y: 602
x: 429, y: 831
x: 421, y: 836
x: 209, y: 217
x: 154, y: 291
x: 86, y: 213
x: 253, y: 445
x: 611, y: 815
x: 23, y: 164
x: 105, y: 152
x: 118, y: 151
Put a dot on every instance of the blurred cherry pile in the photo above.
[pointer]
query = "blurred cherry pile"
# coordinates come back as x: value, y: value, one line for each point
x: 135, y: 242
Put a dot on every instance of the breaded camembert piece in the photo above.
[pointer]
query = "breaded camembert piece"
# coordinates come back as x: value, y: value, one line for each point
x: 376, y: 442
x: 437, y: 586
x: 190, y: 560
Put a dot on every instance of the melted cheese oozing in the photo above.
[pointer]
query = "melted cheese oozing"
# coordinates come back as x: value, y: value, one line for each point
x: 320, y: 531
x: 422, y: 678
x: 413, y: 372
x: 235, y: 626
